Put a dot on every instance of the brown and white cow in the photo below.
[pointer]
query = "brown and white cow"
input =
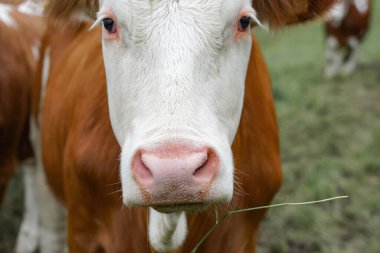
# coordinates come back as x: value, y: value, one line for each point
x: 21, y: 30
x: 143, y: 113
x: 345, y: 29
x: 20, y: 36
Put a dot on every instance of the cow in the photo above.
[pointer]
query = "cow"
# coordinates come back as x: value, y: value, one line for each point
x: 21, y: 29
x: 139, y: 117
x: 345, y: 29
x: 20, y: 36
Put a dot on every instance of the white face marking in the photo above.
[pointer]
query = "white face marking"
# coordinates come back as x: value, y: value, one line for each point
x: 31, y: 7
x: 361, y: 5
x: 6, y: 15
x: 176, y: 72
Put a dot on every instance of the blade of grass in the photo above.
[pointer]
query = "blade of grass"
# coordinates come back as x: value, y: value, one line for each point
x: 232, y: 213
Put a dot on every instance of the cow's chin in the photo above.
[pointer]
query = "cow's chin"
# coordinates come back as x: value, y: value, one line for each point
x: 189, y: 208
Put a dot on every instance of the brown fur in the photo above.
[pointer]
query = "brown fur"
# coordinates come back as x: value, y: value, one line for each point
x: 11, y: 1
x: 283, y: 12
x: 64, y: 9
x: 16, y: 78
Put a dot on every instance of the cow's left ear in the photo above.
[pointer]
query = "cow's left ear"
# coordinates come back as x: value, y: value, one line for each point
x: 285, y: 12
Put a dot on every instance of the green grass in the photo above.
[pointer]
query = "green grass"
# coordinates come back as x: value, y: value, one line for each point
x: 330, y: 144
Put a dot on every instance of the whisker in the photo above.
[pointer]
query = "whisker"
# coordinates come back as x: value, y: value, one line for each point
x: 112, y: 184
x: 117, y: 191
x: 241, y: 172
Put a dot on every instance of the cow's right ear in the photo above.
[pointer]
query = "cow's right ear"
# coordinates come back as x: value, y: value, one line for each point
x: 66, y: 9
x: 278, y: 13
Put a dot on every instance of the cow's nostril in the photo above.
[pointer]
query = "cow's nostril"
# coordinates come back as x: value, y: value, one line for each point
x: 199, y: 170
x: 141, y: 170
x: 207, y: 170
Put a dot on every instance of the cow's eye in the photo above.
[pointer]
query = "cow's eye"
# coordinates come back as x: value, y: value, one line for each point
x: 244, y: 23
x: 109, y: 25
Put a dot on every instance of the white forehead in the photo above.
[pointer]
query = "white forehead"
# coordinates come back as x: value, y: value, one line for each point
x: 138, y: 12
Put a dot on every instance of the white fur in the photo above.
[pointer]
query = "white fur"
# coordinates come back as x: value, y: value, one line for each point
x: 36, y: 50
x: 334, y: 57
x: 335, y: 62
x: 31, y: 7
x: 338, y: 12
x: 52, y: 216
x: 350, y: 65
x: 361, y: 5
x: 167, y: 232
x: 353, y: 42
x: 176, y: 74
x: 28, y: 236
x: 44, y: 80
x: 6, y: 15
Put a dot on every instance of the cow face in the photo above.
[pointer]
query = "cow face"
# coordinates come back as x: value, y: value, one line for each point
x: 175, y: 73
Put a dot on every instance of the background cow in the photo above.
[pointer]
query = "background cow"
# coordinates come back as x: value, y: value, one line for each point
x: 21, y: 30
x: 345, y: 29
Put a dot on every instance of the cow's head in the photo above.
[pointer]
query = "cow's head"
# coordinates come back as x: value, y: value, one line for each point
x: 175, y: 74
x: 176, y: 71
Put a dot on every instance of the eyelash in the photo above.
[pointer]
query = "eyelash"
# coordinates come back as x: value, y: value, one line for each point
x: 109, y: 25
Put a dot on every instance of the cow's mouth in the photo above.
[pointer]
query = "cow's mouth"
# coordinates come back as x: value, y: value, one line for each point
x: 194, y: 207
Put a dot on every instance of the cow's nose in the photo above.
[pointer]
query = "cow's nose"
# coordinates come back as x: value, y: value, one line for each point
x: 170, y: 170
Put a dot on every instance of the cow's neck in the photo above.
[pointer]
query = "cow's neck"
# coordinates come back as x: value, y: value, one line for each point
x: 167, y: 232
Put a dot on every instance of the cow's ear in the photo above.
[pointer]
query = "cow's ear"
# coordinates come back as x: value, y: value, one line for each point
x: 285, y: 12
x: 66, y: 9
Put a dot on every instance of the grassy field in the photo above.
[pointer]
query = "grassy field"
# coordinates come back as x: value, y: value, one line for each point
x: 330, y: 141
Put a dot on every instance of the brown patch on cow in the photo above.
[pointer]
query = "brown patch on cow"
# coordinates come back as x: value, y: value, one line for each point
x: 14, y: 2
x: 18, y: 68
x: 283, y: 12
x: 58, y: 9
